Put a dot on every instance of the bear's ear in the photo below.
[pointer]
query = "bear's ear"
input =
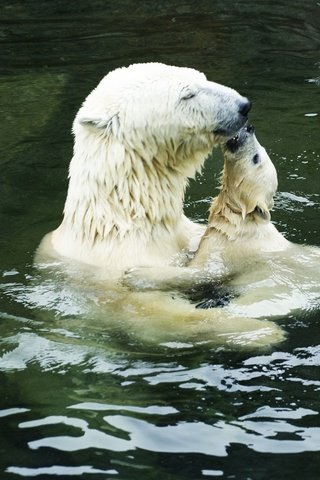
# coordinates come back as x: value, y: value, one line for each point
x: 109, y: 124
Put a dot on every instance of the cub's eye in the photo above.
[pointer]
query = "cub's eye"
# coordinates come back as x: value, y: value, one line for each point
x: 256, y: 159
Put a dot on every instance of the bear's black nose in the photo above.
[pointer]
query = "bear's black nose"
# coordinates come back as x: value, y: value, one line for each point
x: 245, y: 107
x: 250, y: 128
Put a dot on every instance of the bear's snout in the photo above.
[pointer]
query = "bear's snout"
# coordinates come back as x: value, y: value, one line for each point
x: 230, y: 126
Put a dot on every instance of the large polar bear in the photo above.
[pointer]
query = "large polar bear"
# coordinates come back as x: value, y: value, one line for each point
x: 139, y: 135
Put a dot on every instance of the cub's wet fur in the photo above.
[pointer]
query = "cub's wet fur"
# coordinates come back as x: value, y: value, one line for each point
x: 241, y: 248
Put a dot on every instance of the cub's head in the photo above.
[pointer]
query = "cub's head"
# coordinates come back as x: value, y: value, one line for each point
x: 152, y: 106
x: 249, y: 177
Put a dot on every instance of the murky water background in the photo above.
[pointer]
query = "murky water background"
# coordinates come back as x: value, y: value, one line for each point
x: 77, y: 399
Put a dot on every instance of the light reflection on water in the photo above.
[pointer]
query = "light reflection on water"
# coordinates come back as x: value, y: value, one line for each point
x: 170, y: 405
x: 81, y: 400
x: 206, y: 439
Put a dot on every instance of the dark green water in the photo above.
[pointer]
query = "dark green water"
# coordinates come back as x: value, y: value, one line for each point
x: 77, y: 400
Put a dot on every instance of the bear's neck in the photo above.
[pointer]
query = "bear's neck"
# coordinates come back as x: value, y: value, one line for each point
x: 114, y: 191
x: 225, y: 217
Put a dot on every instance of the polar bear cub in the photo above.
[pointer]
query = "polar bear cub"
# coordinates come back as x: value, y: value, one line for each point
x: 239, y: 224
x: 273, y: 277
x: 269, y: 276
x: 139, y: 135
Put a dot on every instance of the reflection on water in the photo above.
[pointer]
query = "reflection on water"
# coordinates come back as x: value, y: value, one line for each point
x: 89, y: 396
x: 79, y: 399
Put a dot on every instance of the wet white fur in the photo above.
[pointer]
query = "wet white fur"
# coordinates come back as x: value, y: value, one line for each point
x: 139, y: 135
x: 239, y: 223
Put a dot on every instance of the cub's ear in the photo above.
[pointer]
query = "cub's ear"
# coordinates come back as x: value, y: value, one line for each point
x: 110, y: 124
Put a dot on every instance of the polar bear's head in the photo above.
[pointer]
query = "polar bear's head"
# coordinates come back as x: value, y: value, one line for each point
x: 156, y: 105
x: 249, y: 176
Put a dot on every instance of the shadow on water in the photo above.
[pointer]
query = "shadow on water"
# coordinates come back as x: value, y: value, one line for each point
x: 80, y: 400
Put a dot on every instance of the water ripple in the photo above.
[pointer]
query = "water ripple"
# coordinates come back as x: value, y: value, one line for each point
x: 275, y: 434
x: 58, y: 470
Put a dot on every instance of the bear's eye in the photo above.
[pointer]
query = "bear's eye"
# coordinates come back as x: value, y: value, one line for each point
x: 188, y: 95
x: 256, y: 159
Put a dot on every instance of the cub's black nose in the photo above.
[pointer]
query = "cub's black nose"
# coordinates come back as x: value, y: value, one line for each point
x: 245, y: 107
x: 250, y: 128
x: 233, y: 144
